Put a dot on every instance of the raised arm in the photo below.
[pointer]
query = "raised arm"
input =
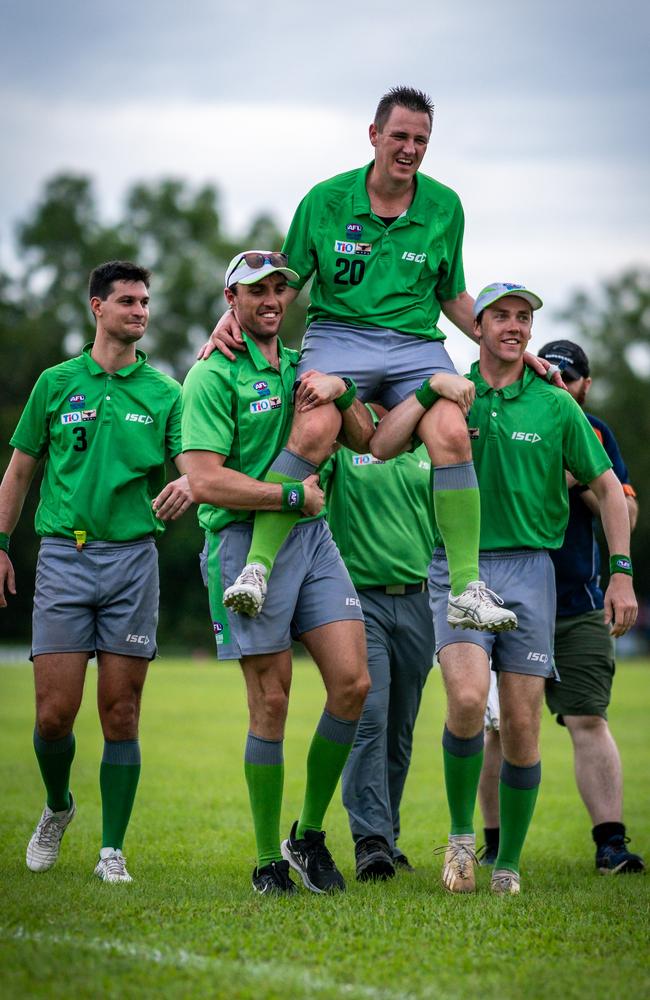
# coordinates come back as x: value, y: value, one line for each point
x: 226, y: 336
x: 13, y: 490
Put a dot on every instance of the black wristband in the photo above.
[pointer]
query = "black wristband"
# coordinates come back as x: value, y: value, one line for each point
x: 347, y: 398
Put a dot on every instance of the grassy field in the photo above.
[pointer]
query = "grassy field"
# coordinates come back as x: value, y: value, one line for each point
x: 190, y: 926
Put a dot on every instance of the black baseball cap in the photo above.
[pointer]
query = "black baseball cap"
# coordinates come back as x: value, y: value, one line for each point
x: 569, y: 357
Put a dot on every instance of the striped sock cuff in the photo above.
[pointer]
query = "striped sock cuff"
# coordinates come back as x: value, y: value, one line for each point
x: 293, y: 466
x: 52, y: 747
x: 521, y: 777
x: 337, y: 730
x: 121, y: 752
x: 459, y: 747
x: 261, y: 751
x: 455, y: 477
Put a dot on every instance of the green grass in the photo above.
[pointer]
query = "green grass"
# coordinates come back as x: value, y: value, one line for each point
x: 189, y: 926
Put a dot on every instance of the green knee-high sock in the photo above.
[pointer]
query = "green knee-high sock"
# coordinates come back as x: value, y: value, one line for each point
x: 55, y: 760
x: 264, y: 770
x: 272, y: 528
x: 119, y: 774
x: 329, y: 750
x: 457, y: 506
x: 518, y: 788
x: 462, y: 762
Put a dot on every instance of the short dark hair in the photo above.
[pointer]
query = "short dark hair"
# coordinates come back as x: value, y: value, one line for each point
x: 100, y: 283
x: 403, y: 97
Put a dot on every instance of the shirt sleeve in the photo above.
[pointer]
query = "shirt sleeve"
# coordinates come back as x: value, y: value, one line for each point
x: 173, y: 440
x: 584, y: 455
x: 299, y: 243
x: 208, y: 409
x: 32, y: 434
x: 451, y: 275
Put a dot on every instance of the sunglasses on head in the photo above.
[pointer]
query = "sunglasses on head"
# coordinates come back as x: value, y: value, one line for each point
x: 257, y: 260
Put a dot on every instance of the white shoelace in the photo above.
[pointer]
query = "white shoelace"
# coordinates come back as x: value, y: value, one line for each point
x: 485, y: 595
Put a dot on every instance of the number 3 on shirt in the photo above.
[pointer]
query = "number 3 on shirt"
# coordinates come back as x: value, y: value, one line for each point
x: 82, y: 443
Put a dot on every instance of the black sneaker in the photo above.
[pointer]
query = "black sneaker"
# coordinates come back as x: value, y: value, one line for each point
x: 373, y: 859
x: 273, y: 880
x: 313, y: 862
x: 487, y: 854
x: 402, y: 863
x: 613, y: 857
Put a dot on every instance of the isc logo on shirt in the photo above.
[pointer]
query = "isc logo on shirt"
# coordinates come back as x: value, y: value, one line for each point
x: 264, y: 405
x: 523, y: 436
x: 139, y: 418
x: 419, y: 258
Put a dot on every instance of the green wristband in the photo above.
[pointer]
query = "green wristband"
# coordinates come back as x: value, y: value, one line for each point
x: 620, y: 564
x: 347, y: 398
x: 4, y: 541
x: 293, y: 496
x: 426, y: 396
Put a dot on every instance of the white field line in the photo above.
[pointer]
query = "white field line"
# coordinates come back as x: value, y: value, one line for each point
x: 270, y: 973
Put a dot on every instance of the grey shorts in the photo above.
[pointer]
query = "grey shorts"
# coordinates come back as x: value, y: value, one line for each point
x: 525, y: 580
x: 309, y: 587
x: 386, y: 365
x: 102, y: 598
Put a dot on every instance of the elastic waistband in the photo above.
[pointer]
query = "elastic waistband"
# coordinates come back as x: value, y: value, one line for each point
x: 53, y: 541
x: 523, y: 553
x: 399, y: 589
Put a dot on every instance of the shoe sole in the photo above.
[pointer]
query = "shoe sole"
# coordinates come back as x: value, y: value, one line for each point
x: 243, y: 603
x: 625, y: 868
x: 306, y: 881
x: 507, y: 626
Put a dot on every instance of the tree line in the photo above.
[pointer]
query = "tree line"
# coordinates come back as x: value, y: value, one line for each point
x: 177, y: 231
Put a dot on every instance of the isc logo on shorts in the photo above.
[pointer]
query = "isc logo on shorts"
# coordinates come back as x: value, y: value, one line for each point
x: 142, y: 640
x: 538, y: 657
x: 352, y: 602
x: 264, y: 405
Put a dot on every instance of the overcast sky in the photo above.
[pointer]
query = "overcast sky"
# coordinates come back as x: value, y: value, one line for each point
x: 541, y: 125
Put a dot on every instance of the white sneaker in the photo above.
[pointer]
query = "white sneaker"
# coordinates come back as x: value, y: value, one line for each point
x: 43, y: 848
x: 479, y: 608
x: 111, y: 866
x: 505, y: 883
x: 246, y: 595
x: 460, y: 862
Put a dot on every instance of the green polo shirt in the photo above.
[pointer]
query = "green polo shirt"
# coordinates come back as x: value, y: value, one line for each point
x: 523, y: 438
x: 370, y: 274
x: 381, y: 515
x: 241, y: 409
x: 105, y: 438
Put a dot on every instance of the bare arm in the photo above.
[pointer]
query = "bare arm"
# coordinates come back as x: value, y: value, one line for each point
x: 590, y: 500
x: 13, y: 490
x: 176, y: 497
x: 226, y: 336
x: 461, y: 313
x: 620, y: 602
x: 211, y: 482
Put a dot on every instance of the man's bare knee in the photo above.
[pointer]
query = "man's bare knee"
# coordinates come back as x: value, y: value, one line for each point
x: 314, y: 434
x: 54, y: 720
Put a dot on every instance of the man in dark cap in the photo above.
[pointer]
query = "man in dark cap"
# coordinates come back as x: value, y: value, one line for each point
x: 584, y: 649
